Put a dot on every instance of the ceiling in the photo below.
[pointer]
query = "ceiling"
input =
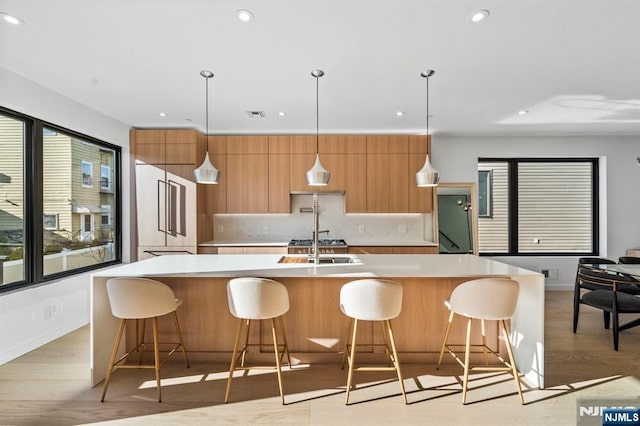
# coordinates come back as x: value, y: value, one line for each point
x: 573, y: 64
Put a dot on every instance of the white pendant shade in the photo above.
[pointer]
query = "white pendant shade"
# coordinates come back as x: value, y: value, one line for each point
x: 428, y: 175
x: 206, y: 173
x: 317, y: 175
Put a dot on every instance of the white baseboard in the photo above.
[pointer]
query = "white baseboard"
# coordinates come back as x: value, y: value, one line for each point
x: 558, y: 286
x: 51, y: 335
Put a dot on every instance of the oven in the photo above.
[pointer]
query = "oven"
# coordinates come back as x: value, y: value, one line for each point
x: 325, y: 246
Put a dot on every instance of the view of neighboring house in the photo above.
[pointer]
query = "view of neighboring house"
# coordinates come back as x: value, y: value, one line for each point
x: 78, y: 192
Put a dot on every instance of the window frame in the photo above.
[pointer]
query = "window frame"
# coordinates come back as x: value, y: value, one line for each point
x: 33, y: 231
x: 513, y: 204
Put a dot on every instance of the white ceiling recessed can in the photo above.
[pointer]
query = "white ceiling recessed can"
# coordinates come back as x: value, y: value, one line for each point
x: 478, y: 16
x: 14, y: 20
x: 244, y: 15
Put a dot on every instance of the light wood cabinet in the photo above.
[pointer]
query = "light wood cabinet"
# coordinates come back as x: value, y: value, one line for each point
x: 214, y: 197
x: 278, y: 182
x: 387, y: 183
x: 247, y: 183
x: 157, y: 146
x: 252, y: 250
x: 355, y: 199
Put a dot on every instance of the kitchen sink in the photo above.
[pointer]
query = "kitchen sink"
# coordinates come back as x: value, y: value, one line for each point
x: 323, y: 259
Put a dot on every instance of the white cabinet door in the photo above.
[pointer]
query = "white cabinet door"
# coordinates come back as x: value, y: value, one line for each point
x: 151, y: 205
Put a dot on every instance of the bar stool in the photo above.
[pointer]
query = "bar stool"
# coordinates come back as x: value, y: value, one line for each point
x: 371, y: 300
x: 484, y: 299
x: 257, y: 299
x: 141, y: 298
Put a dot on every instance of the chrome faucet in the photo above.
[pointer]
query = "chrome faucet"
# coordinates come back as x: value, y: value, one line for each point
x: 316, y: 232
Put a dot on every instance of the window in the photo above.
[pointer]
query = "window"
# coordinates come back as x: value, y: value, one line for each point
x: 13, y: 136
x: 51, y: 214
x: 105, y: 177
x: 538, y: 206
x: 484, y: 193
x: 50, y: 222
x: 87, y: 174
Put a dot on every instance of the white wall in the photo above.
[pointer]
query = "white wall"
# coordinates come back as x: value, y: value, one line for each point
x: 35, y: 316
x: 457, y: 158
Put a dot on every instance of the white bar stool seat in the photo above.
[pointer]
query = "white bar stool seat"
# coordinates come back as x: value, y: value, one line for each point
x: 257, y: 299
x: 141, y: 298
x: 484, y: 299
x: 371, y: 300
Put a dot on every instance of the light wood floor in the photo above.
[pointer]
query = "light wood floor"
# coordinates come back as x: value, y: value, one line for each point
x: 50, y: 386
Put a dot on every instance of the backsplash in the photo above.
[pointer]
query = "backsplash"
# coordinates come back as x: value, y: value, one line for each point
x: 376, y: 228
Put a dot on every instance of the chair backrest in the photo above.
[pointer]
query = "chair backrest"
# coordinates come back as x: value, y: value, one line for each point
x: 485, y: 298
x: 629, y: 260
x: 257, y: 298
x: 371, y: 299
x: 595, y: 261
x: 606, y: 280
x: 140, y: 298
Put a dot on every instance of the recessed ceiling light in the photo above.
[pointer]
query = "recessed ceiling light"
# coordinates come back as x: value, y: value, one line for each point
x: 163, y: 114
x: 400, y: 113
x: 14, y: 20
x: 244, y: 15
x: 523, y: 112
x: 478, y: 16
x: 282, y: 113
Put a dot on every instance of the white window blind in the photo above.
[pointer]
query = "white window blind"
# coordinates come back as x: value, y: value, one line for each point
x: 555, y: 207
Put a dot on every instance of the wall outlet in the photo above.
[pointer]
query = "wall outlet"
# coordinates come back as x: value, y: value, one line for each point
x: 402, y: 229
x: 361, y: 229
x: 220, y: 229
x: 265, y: 229
x: 550, y: 273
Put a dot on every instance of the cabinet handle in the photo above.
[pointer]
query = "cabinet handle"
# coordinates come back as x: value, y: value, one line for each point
x: 166, y: 252
x: 177, y: 206
x: 159, y: 207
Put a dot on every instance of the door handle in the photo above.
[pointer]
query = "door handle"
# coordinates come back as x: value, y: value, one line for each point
x: 160, y: 188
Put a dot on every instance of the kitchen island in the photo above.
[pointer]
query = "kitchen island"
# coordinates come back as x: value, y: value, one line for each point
x: 315, y: 326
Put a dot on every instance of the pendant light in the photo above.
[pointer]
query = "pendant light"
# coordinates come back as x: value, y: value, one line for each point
x: 428, y: 175
x: 207, y: 173
x: 317, y: 175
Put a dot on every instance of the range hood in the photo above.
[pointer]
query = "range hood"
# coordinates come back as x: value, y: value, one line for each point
x: 334, y: 192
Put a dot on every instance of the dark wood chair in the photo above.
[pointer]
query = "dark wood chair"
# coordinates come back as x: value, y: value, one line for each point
x: 607, y: 294
x: 629, y: 260
x: 580, y: 286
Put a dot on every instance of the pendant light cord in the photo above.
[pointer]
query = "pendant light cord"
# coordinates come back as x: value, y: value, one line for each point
x: 206, y: 79
x: 427, y: 109
x: 317, y: 116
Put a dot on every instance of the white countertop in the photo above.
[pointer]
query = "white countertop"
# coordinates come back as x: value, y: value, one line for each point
x: 264, y: 265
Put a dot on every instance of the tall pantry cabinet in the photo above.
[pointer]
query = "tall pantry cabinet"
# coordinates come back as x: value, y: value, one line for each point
x: 166, y: 194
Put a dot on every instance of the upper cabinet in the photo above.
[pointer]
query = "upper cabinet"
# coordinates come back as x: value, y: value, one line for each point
x: 258, y: 172
x: 164, y: 146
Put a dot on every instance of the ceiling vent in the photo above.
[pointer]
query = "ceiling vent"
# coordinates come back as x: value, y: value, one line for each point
x: 256, y: 114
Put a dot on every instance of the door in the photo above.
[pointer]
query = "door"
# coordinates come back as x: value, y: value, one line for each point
x: 456, y: 221
x: 86, y: 227
x: 151, y: 204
